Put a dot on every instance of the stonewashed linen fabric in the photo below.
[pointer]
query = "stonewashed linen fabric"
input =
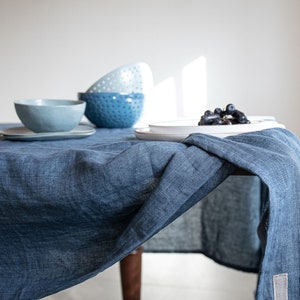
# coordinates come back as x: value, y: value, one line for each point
x: 223, y: 226
x: 70, y: 209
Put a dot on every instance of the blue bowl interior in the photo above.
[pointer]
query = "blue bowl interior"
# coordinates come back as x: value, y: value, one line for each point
x: 113, y: 110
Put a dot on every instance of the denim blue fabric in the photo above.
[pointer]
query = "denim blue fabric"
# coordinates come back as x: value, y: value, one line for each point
x: 70, y: 209
x: 274, y: 155
x: 223, y: 226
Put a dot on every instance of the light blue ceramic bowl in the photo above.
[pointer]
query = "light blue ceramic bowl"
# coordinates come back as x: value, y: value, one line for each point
x: 50, y: 115
x: 113, y: 110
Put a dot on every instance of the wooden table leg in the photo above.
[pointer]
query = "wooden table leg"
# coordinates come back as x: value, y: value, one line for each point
x: 131, y: 275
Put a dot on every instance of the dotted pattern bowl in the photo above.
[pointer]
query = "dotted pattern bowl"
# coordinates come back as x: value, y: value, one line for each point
x: 130, y: 78
x: 113, y: 110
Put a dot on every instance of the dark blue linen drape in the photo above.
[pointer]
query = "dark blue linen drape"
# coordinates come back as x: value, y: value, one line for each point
x: 71, y: 208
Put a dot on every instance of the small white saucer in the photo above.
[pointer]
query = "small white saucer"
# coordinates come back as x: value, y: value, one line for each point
x: 24, y: 134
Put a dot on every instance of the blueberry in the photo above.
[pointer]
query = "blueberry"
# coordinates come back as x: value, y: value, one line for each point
x: 240, y: 117
x: 202, y: 121
x: 218, y: 111
x: 230, y: 115
x: 208, y: 119
x: 208, y: 113
x: 218, y: 121
x: 230, y: 108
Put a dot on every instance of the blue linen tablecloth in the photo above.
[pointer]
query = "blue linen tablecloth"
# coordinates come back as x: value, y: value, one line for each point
x: 71, y: 208
x: 223, y: 226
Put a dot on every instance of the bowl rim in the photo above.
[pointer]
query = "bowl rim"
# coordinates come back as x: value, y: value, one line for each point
x: 112, y: 93
x: 45, y: 102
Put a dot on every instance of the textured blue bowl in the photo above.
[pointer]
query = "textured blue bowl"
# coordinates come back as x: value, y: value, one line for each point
x: 113, y: 110
x: 50, y: 115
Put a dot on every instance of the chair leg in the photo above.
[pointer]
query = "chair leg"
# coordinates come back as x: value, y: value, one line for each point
x: 131, y: 275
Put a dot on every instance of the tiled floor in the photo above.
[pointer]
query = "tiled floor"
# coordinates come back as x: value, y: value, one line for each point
x: 170, y: 276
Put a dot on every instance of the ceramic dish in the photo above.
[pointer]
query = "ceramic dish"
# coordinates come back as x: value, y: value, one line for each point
x: 190, y: 126
x: 147, y: 134
x: 50, y: 115
x: 130, y: 78
x: 24, y: 134
x: 179, y: 130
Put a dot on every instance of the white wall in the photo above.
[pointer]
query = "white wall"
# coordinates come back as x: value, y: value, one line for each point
x: 56, y: 48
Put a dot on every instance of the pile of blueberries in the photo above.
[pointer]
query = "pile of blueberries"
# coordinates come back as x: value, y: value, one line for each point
x: 228, y: 116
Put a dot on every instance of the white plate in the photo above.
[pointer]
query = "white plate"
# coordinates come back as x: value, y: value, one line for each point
x: 24, y: 134
x: 147, y: 134
x: 179, y: 130
x: 185, y: 127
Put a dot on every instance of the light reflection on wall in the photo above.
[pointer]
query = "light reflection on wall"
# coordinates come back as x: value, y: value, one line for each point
x: 183, y: 95
x: 160, y: 104
x: 194, y: 90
